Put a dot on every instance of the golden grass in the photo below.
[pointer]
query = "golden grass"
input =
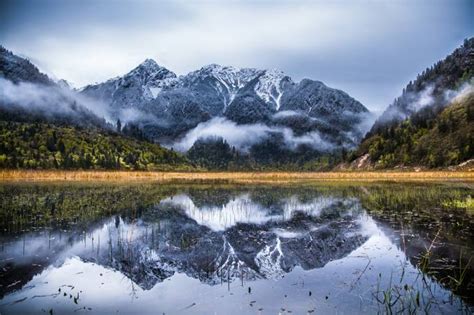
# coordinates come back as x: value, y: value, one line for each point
x: 54, y: 175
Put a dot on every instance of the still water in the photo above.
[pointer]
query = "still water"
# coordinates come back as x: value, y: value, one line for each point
x: 221, y: 248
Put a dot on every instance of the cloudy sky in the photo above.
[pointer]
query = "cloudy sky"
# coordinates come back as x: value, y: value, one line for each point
x: 368, y: 48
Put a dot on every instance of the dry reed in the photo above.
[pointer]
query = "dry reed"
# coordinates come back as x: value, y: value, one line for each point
x: 55, y: 175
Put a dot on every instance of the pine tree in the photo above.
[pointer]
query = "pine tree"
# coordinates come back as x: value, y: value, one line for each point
x: 119, y: 125
x: 61, y: 147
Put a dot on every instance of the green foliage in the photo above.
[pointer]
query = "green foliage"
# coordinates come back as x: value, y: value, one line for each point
x: 438, y: 135
x: 447, y: 139
x: 46, y: 146
x: 211, y: 153
x: 271, y: 154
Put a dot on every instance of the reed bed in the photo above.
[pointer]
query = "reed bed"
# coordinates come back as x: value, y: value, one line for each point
x: 250, y: 177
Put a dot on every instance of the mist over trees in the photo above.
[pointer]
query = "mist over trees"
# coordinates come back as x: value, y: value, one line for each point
x: 431, y: 88
x: 430, y: 124
x: 45, y: 125
x: 215, y: 153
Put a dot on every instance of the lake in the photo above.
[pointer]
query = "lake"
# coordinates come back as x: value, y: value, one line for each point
x: 224, y: 248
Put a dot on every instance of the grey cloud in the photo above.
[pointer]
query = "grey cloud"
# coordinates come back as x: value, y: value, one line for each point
x: 369, y: 49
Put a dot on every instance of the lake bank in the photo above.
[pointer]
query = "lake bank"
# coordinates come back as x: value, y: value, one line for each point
x: 54, y: 175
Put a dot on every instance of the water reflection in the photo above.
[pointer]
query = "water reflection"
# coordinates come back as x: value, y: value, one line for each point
x: 247, y: 241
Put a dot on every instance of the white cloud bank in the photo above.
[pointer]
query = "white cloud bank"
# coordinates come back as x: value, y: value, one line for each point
x: 48, y: 100
x: 244, y: 136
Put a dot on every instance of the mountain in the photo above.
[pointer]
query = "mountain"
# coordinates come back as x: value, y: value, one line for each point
x: 167, y: 107
x: 431, y: 123
x: 140, y: 85
x: 46, y: 125
x: 330, y: 110
x: 432, y: 87
x: 17, y: 69
x: 28, y: 95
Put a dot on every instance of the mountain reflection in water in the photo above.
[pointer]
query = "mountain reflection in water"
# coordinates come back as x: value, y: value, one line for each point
x: 241, y: 244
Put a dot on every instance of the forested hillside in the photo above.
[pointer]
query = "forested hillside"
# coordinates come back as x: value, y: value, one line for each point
x: 446, y: 140
x: 47, y: 126
x: 215, y: 153
x: 17, y: 69
x: 431, y: 124
x: 48, y: 146
x: 432, y: 88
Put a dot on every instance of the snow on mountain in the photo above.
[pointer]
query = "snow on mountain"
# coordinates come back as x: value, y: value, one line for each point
x: 271, y: 85
x: 148, y: 80
x: 153, y: 78
x: 225, y: 80
x: 166, y: 108
x: 137, y: 87
x: 176, y: 105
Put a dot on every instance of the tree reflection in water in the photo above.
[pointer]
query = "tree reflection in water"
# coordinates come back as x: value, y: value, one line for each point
x: 221, y: 233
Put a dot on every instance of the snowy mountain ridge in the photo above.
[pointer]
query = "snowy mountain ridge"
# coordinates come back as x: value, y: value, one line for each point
x: 142, y: 84
x: 171, y: 106
x: 151, y: 79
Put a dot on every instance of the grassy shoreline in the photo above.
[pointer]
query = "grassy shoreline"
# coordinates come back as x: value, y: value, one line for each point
x: 56, y: 175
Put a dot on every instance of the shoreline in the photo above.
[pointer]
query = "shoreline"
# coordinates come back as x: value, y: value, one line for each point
x: 74, y: 175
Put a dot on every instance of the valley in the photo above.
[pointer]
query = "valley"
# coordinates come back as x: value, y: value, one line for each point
x: 236, y: 157
x: 223, y: 118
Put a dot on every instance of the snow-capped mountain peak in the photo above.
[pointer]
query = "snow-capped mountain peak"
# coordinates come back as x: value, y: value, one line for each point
x: 241, y: 95
x: 229, y: 76
x: 140, y: 85
x: 149, y: 63
x: 149, y: 70
x: 228, y: 81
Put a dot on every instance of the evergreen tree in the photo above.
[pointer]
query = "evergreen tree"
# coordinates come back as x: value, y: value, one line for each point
x: 119, y: 125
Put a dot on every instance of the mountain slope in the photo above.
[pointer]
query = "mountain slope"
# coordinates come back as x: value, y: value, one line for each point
x: 17, y: 69
x: 432, y: 87
x: 140, y: 85
x: 46, y: 125
x: 28, y: 95
x: 445, y: 140
x: 430, y: 124
x: 47, y: 146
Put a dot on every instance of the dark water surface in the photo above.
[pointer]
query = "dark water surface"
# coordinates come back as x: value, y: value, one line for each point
x: 217, y: 248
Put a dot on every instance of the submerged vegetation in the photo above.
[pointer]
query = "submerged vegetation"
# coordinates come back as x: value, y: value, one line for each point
x: 424, y: 221
x: 25, y: 207
x: 444, y: 225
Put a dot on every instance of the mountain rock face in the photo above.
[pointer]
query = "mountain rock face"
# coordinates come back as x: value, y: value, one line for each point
x: 170, y: 106
x: 140, y: 85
